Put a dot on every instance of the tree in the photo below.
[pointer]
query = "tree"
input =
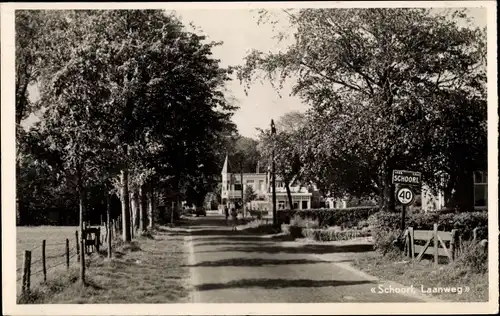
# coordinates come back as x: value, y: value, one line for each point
x: 250, y: 194
x: 380, y: 83
x: 124, y: 74
x: 284, y: 148
x: 35, y: 38
x: 245, y: 149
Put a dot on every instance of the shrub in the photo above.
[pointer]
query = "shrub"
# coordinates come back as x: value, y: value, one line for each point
x: 473, y: 257
x: 348, y: 217
x: 257, y: 213
x: 285, y: 228
x: 386, y: 225
x: 297, y: 224
x: 258, y: 226
x: 332, y: 235
x: 304, y: 222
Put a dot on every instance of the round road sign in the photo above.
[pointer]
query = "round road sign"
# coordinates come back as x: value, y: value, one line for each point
x: 405, y: 196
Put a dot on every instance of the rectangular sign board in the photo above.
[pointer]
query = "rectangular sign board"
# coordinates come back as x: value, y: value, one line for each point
x: 406, y: 177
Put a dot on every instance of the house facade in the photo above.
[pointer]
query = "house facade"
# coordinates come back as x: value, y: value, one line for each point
x: 432, y: 201
x: 232, y: 186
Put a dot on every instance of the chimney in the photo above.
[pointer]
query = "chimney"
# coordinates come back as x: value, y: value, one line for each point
x: 258, y: 167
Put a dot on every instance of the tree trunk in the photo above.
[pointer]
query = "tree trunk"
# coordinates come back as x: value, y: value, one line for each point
x: 142, y: 211
x: 125, y: 207
x: 82, y: 236
x: 242, y: 193
x: 135, y: 210
x: 387, y: 196
x: 463, y: 196
x: 150, y: 207
x: 289, y: 194
x: 131, y: 214
x: 108, y: 223
x: 174, y: 207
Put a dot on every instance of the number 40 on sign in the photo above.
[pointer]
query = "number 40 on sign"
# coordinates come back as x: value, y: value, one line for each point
x: 405, y: 196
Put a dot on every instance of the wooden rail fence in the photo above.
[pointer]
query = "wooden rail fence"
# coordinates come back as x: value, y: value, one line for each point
x: 437, y: 243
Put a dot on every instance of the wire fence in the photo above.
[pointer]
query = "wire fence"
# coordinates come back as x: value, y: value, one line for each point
x: 38, y: 262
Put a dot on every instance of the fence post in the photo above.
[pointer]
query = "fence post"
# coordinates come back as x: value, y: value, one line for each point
x: 26, y: 272
x: 67, y: 253
x: 44, y: 264
x: 105, y: 236
x: 435, y: 236
x: 411, y: 237
x: 98, y: 239
x: 453, y: 247
x: 474, y: 235
x: 77, y: 247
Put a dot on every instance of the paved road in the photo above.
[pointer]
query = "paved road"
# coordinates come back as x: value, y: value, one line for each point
x: 228, y: 267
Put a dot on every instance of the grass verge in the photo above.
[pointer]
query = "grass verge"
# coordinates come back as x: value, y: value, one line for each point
x: 147, y: 270
x: 425, y: 276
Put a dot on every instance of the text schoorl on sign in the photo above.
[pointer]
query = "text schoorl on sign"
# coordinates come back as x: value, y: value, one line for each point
x: 406, y: 177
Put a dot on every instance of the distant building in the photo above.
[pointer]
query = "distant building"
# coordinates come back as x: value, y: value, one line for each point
x: 434, y: 201
x: 262, y: 186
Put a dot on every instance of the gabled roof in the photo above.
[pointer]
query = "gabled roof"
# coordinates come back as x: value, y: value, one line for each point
x: 226, y: 168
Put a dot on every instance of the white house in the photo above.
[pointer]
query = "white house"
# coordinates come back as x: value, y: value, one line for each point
x: 262, y: 186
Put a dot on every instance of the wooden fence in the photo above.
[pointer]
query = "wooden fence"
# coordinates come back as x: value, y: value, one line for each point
x: 444, y: 244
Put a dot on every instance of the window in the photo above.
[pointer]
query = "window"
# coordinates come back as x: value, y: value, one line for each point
x: 237, y: 186
x: 480, y: 189
x: 281, y: 205
x: 261, y: 185
x: 295, y: 205
x: 304, y: 205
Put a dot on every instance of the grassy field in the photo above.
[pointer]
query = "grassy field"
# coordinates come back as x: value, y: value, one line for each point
x: 30, y: 238
x: 149, y: 270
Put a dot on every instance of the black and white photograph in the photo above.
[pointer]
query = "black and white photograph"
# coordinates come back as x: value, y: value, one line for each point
x: 209, y: 158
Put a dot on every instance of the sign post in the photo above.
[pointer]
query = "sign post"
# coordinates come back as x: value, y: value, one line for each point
x: 404, y: 194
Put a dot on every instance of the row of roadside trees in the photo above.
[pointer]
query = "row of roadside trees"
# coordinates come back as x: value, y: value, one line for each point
x: 129, y: 103
x: 387, y: 89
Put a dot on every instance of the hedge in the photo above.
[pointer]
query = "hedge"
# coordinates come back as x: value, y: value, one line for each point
x: 465, y: 222
x: 348, y: 217
x: 257, y: 213
x: 333, y: 235
x: 386, y: 226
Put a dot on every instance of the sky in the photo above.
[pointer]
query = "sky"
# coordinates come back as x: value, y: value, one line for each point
x: 239, y: 31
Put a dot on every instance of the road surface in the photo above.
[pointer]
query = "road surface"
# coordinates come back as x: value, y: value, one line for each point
x: 232, y: 267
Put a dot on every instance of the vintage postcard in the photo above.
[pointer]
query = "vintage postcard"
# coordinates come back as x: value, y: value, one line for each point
x: 249, y: 158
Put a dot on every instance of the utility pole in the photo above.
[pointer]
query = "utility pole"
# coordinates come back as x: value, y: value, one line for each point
x: 242, y: 189
x: 273, y: 175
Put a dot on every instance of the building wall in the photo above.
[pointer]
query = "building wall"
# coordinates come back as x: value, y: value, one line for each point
x: 335, y: 203
x: 260, y: 182
x: 431, y: 201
